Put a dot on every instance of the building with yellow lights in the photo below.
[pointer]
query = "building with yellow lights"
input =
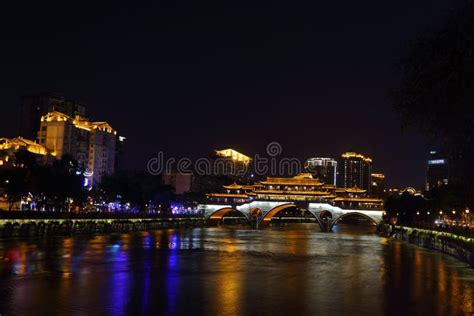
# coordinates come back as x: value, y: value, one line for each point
x: 230, y: 162
x: 33, y: 107
x: 355, y: 171
x: 324, y: 169
x: 92, y: 144
x: 234, y: 155
x: 301, y: 188
x: 9, y: 146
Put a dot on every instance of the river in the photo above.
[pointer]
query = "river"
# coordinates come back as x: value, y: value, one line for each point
x: 292, y: 270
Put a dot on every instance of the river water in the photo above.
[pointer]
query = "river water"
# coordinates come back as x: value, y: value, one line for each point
x: 293, y: 270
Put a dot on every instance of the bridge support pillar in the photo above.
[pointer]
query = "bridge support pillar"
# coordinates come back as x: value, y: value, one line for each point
x: 326, y: 226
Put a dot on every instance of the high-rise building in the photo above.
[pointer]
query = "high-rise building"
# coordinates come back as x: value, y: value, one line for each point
x: 325, y: 169
x: 33, y: 107
x: 355, y: 171
x: 230, y: 162
x: 92, y: 144
x: 377, y: 185
x: 221, y: 167
x: 437, y: 171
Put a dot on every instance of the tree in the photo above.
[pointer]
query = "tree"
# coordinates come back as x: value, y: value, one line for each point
x: 62, y: 182
x: 406, y: 205
x: 436, y: 93
x: 140, y: 189
x: 17, y: 181
x: 14, y: 185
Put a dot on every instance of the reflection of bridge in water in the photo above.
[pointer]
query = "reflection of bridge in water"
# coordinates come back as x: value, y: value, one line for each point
x: 326, y: 215
x: 261, y: 202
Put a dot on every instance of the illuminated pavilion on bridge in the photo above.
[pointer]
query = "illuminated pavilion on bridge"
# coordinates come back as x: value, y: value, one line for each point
x: 324, y: 201
x: 302, y: 187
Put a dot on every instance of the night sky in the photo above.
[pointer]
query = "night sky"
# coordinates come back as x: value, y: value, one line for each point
x: 186, y: 77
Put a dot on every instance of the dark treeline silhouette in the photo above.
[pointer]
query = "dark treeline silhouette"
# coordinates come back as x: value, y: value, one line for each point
x: 52, y: 185
x: 436, y: 94
x: 59, y: 186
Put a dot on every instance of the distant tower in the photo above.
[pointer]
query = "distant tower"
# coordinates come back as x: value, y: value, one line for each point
x: 437, y: 171
x: 325, y: 169
x: 355, y: 171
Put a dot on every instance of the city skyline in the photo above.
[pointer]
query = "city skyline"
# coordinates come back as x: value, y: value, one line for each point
x: 58, y: 134
x: 222, y: 85
x: 84, y: 108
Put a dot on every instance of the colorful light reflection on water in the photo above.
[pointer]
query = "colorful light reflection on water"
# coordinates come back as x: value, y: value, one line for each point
x: 223, y: 271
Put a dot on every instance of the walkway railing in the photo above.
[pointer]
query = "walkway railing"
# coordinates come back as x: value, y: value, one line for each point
x: 61, y: 225
x: 461, y: 247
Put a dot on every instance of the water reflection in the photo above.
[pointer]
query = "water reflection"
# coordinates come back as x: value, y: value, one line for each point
x: 172, y: 272
x: 119, y: 280
x: 225, y: 271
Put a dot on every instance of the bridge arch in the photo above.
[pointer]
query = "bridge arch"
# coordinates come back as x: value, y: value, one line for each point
x: 320, y: 223
x: 268, y: 216
x: 337, y: 219
x: 220, y: 213
x: 274, y: 211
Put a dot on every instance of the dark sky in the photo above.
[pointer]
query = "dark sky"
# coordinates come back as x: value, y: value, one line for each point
x: 186, y: 77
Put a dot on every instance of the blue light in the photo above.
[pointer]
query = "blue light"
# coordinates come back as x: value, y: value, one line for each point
x: 437, y: 162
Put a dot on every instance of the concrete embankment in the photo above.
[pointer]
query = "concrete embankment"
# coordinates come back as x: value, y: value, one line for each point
x: 53, y: 227
x: 457, y: 246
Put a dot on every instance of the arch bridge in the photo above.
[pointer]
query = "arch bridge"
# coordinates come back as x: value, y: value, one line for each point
x: 326, y: 215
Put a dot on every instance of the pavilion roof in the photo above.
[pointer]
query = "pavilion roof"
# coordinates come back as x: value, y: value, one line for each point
x: 233, y: 186
x: 292, y: 192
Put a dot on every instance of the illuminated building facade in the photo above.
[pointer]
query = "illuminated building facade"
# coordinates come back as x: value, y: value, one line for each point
x: 9, y: 146
x: 355, y: 171
x: 230, y: 162
x: 92, y: 144
x: 325, y: 169
x: 301, y: 188
x: 377, y: 185
x: 32, y: 108
x: 437, y: 171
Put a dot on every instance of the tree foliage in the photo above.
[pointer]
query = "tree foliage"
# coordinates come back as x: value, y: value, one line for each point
x: 436, y: 93
x: 405, y: 206
x: 54, y: 185
x: 437, y: 88
x: 140, y: 189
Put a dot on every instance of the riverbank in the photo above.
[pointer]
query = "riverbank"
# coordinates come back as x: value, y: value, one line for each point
x: 457, y: 246
x: 56, y: 227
